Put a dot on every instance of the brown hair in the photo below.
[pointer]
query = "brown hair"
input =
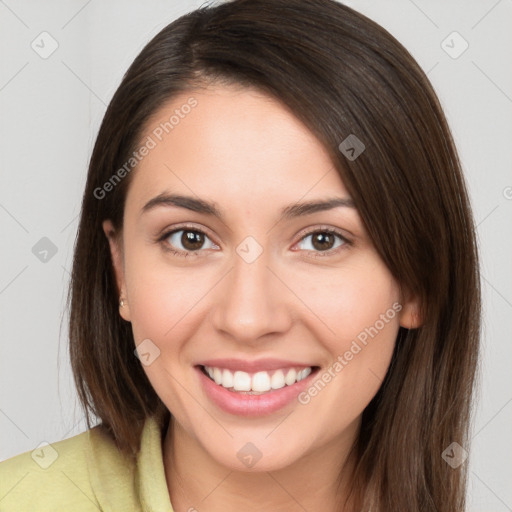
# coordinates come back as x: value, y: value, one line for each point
x: 341, y: 74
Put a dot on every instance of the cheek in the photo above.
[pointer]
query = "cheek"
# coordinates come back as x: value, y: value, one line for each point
x: 161, y: 300
x: 164, y: 309
x: 361, y: 305
x: 168, y: 301
x: 350, y: 300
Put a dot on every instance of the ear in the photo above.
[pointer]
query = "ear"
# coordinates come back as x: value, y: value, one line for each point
x: 410, y: 315
x: 116, y: 253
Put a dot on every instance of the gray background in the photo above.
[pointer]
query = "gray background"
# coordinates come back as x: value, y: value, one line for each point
x: 50, y: 111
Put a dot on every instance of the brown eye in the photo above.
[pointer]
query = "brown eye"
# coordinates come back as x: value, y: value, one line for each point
x: 192, y: 240
x: 322, y: 241
x: 188, y: 240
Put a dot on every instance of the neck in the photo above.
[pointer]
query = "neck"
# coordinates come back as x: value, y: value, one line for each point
x: 317, y: 481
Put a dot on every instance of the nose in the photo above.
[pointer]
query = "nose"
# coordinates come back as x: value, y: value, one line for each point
x: 252, y: 301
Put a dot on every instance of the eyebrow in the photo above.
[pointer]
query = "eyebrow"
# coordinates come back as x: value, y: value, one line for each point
x: 208, y: 208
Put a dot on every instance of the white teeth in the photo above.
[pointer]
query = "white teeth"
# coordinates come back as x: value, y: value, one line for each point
x: 217, y: 375
x: 241, y: 381
x: 291, y: 376
x: 259, y: 382
x: 303, y: 374
x: 227, y: 379
x: 277, y: 380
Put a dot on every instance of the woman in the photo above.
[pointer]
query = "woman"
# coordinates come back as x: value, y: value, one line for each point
x: 274, y: 297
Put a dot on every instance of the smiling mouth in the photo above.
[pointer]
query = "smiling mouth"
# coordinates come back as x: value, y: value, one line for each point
x: 257, y: 383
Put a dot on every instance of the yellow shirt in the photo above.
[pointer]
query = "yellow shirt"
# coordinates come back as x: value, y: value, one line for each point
x: 87, y: 473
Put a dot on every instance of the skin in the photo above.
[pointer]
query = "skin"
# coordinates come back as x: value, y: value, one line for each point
x: 246, y: 152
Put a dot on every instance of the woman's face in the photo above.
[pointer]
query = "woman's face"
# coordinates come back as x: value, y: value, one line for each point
x: 257, y: 294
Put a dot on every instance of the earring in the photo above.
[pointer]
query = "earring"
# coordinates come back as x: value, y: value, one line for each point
x: 121, y: 303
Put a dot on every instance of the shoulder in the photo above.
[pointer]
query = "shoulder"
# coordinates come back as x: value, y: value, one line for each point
x: 66, y: 475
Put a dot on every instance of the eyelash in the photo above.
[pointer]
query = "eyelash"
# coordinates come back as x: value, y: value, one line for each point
x: 316, y: 254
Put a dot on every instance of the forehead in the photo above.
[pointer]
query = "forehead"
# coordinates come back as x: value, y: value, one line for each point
x: 236, y: 145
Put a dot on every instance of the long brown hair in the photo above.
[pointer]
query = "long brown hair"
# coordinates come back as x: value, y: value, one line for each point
x: 341, y: 74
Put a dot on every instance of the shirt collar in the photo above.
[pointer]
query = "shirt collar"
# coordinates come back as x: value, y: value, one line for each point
x: 150, y: 474
x: 122, y: 483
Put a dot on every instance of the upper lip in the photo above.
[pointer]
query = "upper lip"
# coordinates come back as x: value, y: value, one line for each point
x: 253, y: 366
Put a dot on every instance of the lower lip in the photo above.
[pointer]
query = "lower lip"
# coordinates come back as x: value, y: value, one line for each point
x: 252, y: 405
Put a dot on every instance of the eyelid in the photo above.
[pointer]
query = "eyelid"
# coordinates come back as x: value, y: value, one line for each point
x: 310, y: 230
x: 166, y: 232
